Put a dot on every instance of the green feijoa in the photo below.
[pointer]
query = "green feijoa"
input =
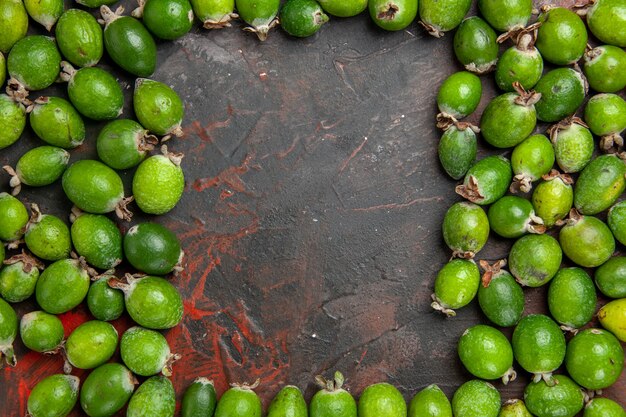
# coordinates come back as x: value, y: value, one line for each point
x: 3, y: 69
x: 39, y: 166
x: 95, y: 3
x: 514, y: 408
x: 152, y: 302
x: 57, y: 122
x: 538, y: 345
x: 487, y: 180
x: 128, y: 42
x: 155, y: 397
x: 531, y: 159
x: 94, y: 92
x: 573, y: 144
x: 79, y: 37
x: 62, y: 286
x: 98, y: 240
x: 14, y: 218
x: 44, y: 12
x: 486, y: 353
x: 343, y: 8
x: 509, y: 118
x: 159, y: 182
x: 612, y: 317
x: 553, y: 198
x: 166, y: 19
x: 91, y: 344
x: 594, y: 359
x: 560, y: 397
x: 157, y: 107
x: 603, y: 407
x: 572, y: 298
x: 562, y: 92
x: 106, y: 390
x: 8, y: 332
x: 535, y: 259
x: 603, y: 67
x: 430, y: 402
x: 381, y: 400
x: 392, y: 15
x: 500, y: 297
x: 34, y: 62
x: 53, y: 396
x: 465, y: 228
x: 600, y: 184
x: 289, y: 402
x: 521, y: 63
x: 95, y: 188
x: 562, y: 36
x: 13, y: 120
x: 259, y: 14
x: 605, y: 114
x: 302, y: 18
x: 47, y: 236
x: 19, y: 277
x: 239, y: 401
x: 455, y: 286
x: 476, y: 398
x: 440, y: 16
x: 475, y: 45
x: 124, y: 143
x: 153, y: 249
x: 513, y: 216
x: 214, y: 14
x: 610, y: 277
x: 586, y: 240
x: 459, y: 94
x: 457, y: 149
x: 607, y: 21
x: 146, y: 352
x: 200, y: 399
x: 13, y: 23
x: 504, y: 15
x: 105, y: 303
x: 616, y: 220
x: 41, y: 332
x: 332, y: 400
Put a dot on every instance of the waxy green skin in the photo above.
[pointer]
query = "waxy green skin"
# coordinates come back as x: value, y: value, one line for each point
x: 158, y: 184
x: 612, y: 317
x: 594, y: 359
x: 485, y: 352
x: 562, y: 92
x: 430, y: 402
x: 123, y: 144
x: 441, y: 16
x: 106, y: 390
x: 476, y: 398
x: 385, y: 17
x: 62, y: 286
x: 504, y: 123
x: 80, y: 38
x: 42, y: 165
x: 514, y: 408
x: 487, y: 180
x: 34, y: 62
x: 88, y: 83
x: 158, y: 107
x: 259, y: 14
x: 512, y: 217
x: 13, y: 116
x: 13, y: 23
x: 603, y: 407
x: 57, y: 122
x: 95, y: 3
x: 504, y: 15
x: 605, y: 114
x: 562, y: 36
x: 152, y: 248
x: 168, y: 19
x: 18, y: 278
x: 381, y: 400
x: 562, y: 399
x: 524, y: 65
x: 538, y: 344
x: 53, y: 396
x: 603, y: 67
x: 214, y: 14
x: 14, y: 218
x: 239, y: 402
x: 105, y: 303
x: 456, y: 284
x: 48, y: 237
x: 41, y: 332
x: 616, y: 220
x: 587, y: 241
x: 155, y: 397
x: 200, y: 400
x: 531, y: 159
x: 459, y: 94
x: 44, y: 12
x: 610, y: 277
x: 607, y: 21
x: 289, y: 402
x: 465, y: 227
x: 573, y: 146
x: 343, y: 8
x: 93, y: 186
x: 553, y: 199
x: 91, y: 344
x: 144, y: 351
x: 600, y: 184
x: 502, y: 300
x: 457, y: 151
x: 98, y: 240
x: 475, y: 45
x: 8, y: 332
x: 335, y: 403
x: 535, y: 259
x: 303, y: 18
x: 572, y: 298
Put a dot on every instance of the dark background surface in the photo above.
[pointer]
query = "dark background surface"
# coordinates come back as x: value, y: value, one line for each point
x: 311, y: 214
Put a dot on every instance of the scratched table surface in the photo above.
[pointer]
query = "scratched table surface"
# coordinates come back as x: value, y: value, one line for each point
x: 311, y: 218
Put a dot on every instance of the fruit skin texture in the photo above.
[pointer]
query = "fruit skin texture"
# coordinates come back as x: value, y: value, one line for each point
x: 18, y: 277
x: 8, y: 332
x: 12, y: 115
x: 553, y: 198
x: 617, y: 221
x: 57, y: 122
x: 504, y: 15
x: 563, y: 399
x: 603, y: 407
x: 62, y: 286
x: 586, y: 240
x: 456, y: 285
x: 502, y: 299
x: 40, y: 331
x: 86, y: 84
x: 390, y: 18
x: 105, y: 303
x: 34, y: 61
x: 167, y: 19
x: 600, y: 184
x: 430, y: 402
x: 459, y: 94
x: 152, y: 248
x: 53, y: 396
x: 14, y: 217
x: 486, y: 353
x: 200, y: 400
x: 465, y: 228
x: 523, y: 64
x: 97, y: 238
x: 603, y: 67
x: 381, y: 400
x: 158, y: 107
x: 514, y: 408
x: 47, y: 237
x: 343, y: 8
x: 457, y: 151
x: 145, y: 352
x: 594, y: 359
x: 289, y: 402
x: 475, y: 45
x: 260, y: 15
x: 239, y: 402
x: 80, y: 38
x: 612, y: 317
x: 158, y: 183
x: 538, y: 345
x: 106, y: 390
x: 487, y: 180
x: 572, y: 298
x: 531, y: 159
x: 42, y: 165
x: 573, y: 145
x: 155, y: 397
x: 302, y: 18
x: 44, y: 12
x: 607, y: 21
x: 439, y: 16
x: 535, y: 259
x: 91, y: 344
x: 332, y: 400
x: 562, y: 36
x: 606, y: 114
x: 13, y: 23
x: 507, y: 121
x: 610, y: 277
x: 476, y: 398
x: 562, y: 92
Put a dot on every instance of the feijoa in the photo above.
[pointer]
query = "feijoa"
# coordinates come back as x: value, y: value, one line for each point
x: 535, y: 259
x: 200, y: 399
x: 430, y: 402
x: 13, y: 23
x: 476, y: 398
x: 586, y: 240
x: 455, y: 286
x: 3, y: 69
x: 440, y: 16
x: 166, y: 19
x: 41, y: 332
x: 475, y: 45
x: 155, y: 397
x: 603, y: 407
x: 259, y: 14
x: 53, y: 396
x: 531, y: 160
x: 153, y: 249
x: 562, y: 36
x: 617, y: 221
x: 388, y: 15
x: 486, y: 353
x: 124, y: 143
x: 47, y: 236
x: 332, y: 400
x: 513, y: 216
x: 159, y: 182
x: 465, y: 228
x: 62, y: 286
x: 239, y: 401
x: 157, y: 107
x: 57, y: 122
x: 459, y: 94
x: 19, y: 277
x: 105, y: 303
x: 514, y: 408
x: 214, y: 14
x: 602, y: 66
x: 457, y: 149
x: 44, y: 12
x: 560, y: 397
x: 610, y: 277
x: 600, y: 184
x: 572, y: 298
x: 573, y: 144
x: 91, y: 344
x: 34, y: 62
x: 302, y: 18
x: 95, y: 3
x: 13, y: 117
x: 343, y: 8
x: 106, y: 390
x: 8, y: 332
x: 562, y: 92
x: 146, y: 352
x: 500, y: 297
x: 381, y: 400
x: 521, y: 63
x: 612, y: 317
x: 605, y: 114
x: 487, y: 180
x: 79, y: 37
x: 289, y: 402
x: 14, y: 218
x: 607, y: 21
x: 97, y: 239
x: 553, y: 198
x: 39, y: 166
x: 505, y: 15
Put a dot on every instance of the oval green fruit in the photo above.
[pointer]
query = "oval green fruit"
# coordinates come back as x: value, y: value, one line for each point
x: 612, y: 317
x: 611, y: 277
x: 457, y: 150
x: 8, y: 332
x: 607, y: 21
x: 586, y: 240
x: 91, y: 344
x: 430, y: 402
x: 487, y: 180
x: 475, y: 45
x: 440, y: 16
x: 146, y: 352
x: 57, y: 122
x: 80, y: 38
x: 159, y: 182
x: 486, y: 353
x: 538, y: 345
x: 44, y: 12
x: 38, y: 167
x: 289, y: 402
x: 47, y: 236
x: 535, y: 259
x: 343, y: 8
x: 62, y: 286
x: 600, y: 184
x: 606, y: 116
x: 155, y: 397
x: 200, y: 399
x: 302, y: 18
x: 455, y: 286
x: 153, y: 249
x: 41, y: 332
x: 459, y: 94
x: 388, y: 15
x: 97, y: 239
x: 106, y: 390
x: 332, y: 400
x: 602, y: 66
x: 18, y: 277
x: 94, y: 92
x: 53, y: 396
x: 572, y: 298
x: 617, y: 221
x: 553, y: 198
x: 562, y: 36
x: 562, y: 91
x: 124, y: 143
x: 573, y: 144
x: 259, y: 14
x: 603, y: 407
x: 465, y: 228
x: 504, y: 15
x: 166, y: 19
x: 476, y: 398
x: 34, y: 61
x: 105, y: 303
x: 510, y: 118
x: 13, y: 116
x: 559, y: 398
x: 500, y: 297
x: 13, y: 23
x: 14, y: 216
x: 158, y: 107
x: 531, y: 160
x: 239, y: 401
x: 514, y: 408
x: 381, y: 400
x: 214, y: 14
x: 521, y: 63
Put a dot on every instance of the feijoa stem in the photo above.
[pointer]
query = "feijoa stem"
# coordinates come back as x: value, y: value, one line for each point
x: 28, y: 262
x: 432, y: 30
x: 223, y: 22
x: 470, y: 191
x: 526, y: 98
x: 14, y: 182
x: 109, y: 15
x: 9, y: 355
x: 167, y: 369
x: 122, y: 211
x: 438, y: 306
x: 490, y: 270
